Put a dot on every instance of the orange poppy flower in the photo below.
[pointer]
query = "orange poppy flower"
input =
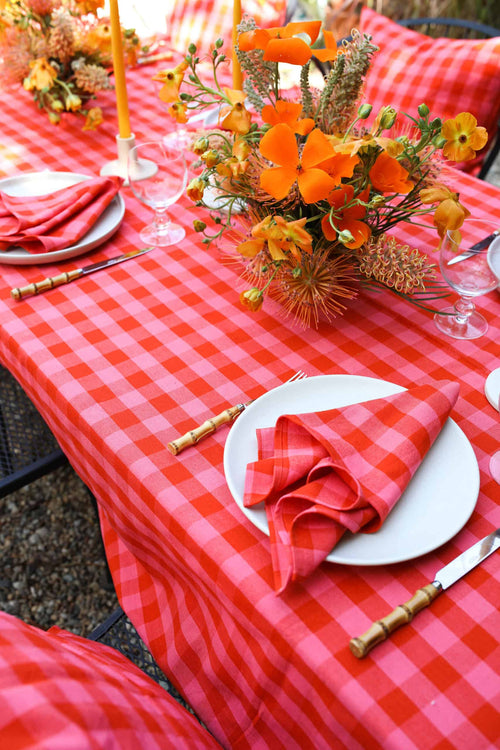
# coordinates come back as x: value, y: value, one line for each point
x: 172, y: 80
x: 287, y: 113
x: 279, y: 146
x: 282, y: 44
x: 347, y: 217
x: 235, y: 117
x: 463, y: 137
x: 340, y: 165
x: 329, y: 53
x: 281, y: 236
x: 388, y: 176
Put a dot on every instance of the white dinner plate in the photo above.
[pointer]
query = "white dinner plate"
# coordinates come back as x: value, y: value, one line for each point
x: 42, y: 183
x: 434, y: 507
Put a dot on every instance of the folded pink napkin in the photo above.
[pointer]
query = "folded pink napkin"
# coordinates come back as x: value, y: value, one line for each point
x: 323, y: 473
x: 41, y: 224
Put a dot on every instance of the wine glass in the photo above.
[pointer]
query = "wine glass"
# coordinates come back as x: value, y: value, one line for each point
x: 463, y: 260
x: 158, y: 188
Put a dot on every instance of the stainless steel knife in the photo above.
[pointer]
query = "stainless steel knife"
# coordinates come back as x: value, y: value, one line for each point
x: 404, y: 613
x: 474, y: 249
x: 64, y: 278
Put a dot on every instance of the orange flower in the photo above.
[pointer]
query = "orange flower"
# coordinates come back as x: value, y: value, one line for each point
x: 330, y: 52
x: 287, y: 113
x: 279, y: 146
x: 340, y: 165
x: 178, y: 111
x: 235, y: 117
x: 252, y: 299
x: 94, y: 118
x: 237, y: 163
x: 172, y: 80
x: 450, y: 214
x: 281, y: 236
x: 463, y: 137
x: 388, y: 176
x: 347, y: 217
x: 42, y: 75
x: 282, y: 44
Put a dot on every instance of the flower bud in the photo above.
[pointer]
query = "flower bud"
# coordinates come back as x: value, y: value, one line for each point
x: 192, y: 49
x: 195, y: 189
x: 210, y: 157
x: 54, y: 118
x: 387, y: 117
x: 423, y: 110
x: 199, y: 226
x: 200, y: 145
x: 73, y: 103
x: 364, y: 111
x: 345, y: 237
x: 252, y: 299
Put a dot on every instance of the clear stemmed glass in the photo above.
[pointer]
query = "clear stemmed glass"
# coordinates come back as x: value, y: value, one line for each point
x: 469, y: 274
x: 159, y: 188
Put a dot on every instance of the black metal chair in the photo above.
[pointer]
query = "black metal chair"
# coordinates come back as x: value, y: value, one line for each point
x: 28, y: 449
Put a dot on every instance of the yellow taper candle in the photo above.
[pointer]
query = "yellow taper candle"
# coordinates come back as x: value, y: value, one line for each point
x: 237, y: 77
x: 119, y: 71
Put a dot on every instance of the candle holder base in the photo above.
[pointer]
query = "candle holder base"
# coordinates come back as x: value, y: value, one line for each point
x: 119, y: 167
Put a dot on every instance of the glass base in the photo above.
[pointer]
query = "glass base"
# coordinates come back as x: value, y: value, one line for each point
x: 172, y: 235
x: 475, y: 326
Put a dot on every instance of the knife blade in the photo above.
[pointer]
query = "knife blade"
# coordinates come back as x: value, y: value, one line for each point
x: 64, y: 278
x: 474, y: 249
x: 446, y: 577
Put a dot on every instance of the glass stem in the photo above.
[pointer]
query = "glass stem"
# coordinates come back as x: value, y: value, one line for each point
x: 161, y: 221
x: 464, y: 307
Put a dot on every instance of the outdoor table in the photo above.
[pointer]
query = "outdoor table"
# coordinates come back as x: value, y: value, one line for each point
x: 121, y: 362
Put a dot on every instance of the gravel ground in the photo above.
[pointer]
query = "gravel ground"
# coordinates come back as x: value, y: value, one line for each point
x: 53, y: 568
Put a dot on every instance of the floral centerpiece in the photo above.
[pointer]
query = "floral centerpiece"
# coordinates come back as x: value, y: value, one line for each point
x: 61, y: 52
x: 320, y: 189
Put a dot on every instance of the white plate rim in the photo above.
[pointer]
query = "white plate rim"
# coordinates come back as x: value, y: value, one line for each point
x: 349, y: 551
x: 105, y: 226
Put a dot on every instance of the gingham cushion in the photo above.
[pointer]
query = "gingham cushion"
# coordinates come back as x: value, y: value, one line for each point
x: 61, y: 692
x: 202, y: 22
x: 325, y: 473
x: 449, y: 75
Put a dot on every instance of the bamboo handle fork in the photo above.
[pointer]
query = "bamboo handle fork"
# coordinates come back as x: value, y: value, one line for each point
x: 211, y: 425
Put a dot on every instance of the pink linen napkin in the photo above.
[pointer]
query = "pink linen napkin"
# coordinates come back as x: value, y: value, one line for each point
x: 324, y: 473
x: 41, y: 224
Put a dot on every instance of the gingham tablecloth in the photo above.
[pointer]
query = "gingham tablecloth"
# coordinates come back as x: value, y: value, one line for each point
x: 121, y: 362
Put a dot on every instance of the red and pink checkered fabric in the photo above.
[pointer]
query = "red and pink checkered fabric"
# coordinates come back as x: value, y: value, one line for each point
x: 329, y: 472
x: 62, y: 692
x: 449, y: 75
x: 41, y: 224
x: 202, y: 22
x: 123, y: 361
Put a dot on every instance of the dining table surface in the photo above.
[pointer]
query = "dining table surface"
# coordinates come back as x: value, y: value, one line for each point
x: 123, y: 361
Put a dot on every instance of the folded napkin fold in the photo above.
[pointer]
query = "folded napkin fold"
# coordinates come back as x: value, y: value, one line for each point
x: 43, y: 223
x: 324, y: 473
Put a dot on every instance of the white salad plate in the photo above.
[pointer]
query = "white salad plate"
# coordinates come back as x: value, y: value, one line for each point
x: 42, y: 183
x: 434, y: 507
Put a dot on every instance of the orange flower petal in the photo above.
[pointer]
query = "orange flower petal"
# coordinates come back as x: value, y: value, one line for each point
x: 317, y: 149
x: 360, y: 231
x: 311, y: 28
x: 280, y: 146
x: 315, y: 185
x: 330, y: 52
x: 293, y: 51
x: 277, y: 181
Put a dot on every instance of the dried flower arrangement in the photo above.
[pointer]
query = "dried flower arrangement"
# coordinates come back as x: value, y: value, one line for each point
x: 60, y: 51
x: 321, y: 191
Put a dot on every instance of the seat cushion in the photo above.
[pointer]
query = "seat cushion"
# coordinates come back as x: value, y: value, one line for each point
x: 62, y: 692
x: 449, y: 75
